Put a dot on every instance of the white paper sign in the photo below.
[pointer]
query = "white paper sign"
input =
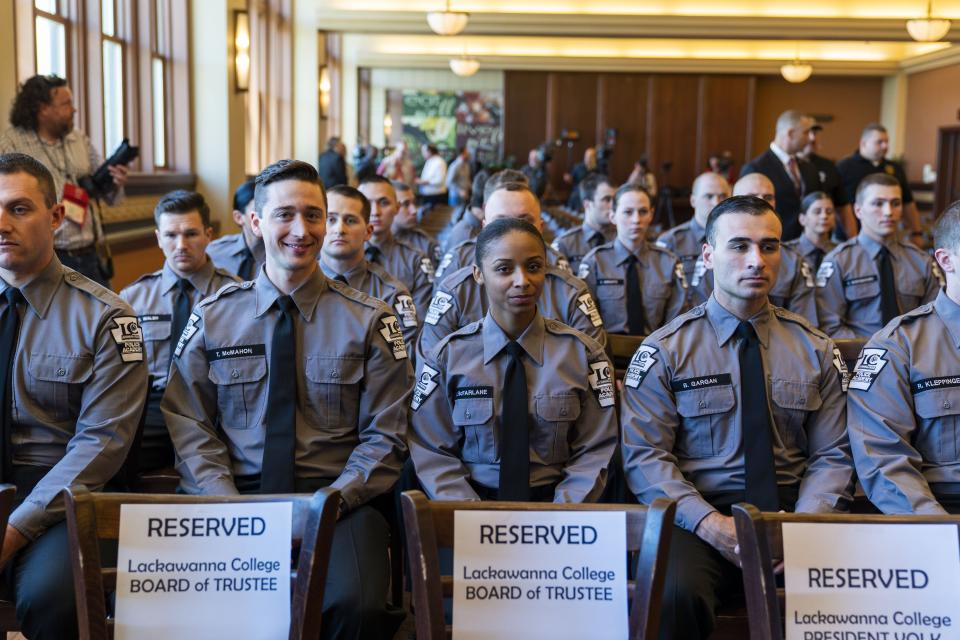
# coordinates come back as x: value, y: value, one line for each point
x: 204, y: 571
x: 877, y: 581
x: 539, y: 574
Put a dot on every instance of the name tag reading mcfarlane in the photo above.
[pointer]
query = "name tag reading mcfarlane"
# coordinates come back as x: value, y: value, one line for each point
x: 204, y: 571
x: 539, y: 574
x: 872, y: 581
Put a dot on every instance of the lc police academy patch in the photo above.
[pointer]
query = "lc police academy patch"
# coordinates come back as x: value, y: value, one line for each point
x: 439, y: 305
x: 868, y: 367
x: 583, y: 271
x: 427, y: 267
x: 807, y: 274
x: 444, y: 263
x: 426, y: 383
x: 407, y: 311
x: 841, y: 366
x: 563, y: 264
x: 699, y: 270
x: 188, y: 332
x: 601, y: 381
x: 679, y: 275
x: 589, y: 308
x: 824, y: 273
x: 127, y: 336
x: 640, y: 364
x: 391, y: 334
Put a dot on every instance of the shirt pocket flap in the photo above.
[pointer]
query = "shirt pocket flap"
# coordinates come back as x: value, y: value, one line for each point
x: 558, y: 408
x: 704, y: 402
x: 936, y: 403
x: 610, y: 290
x: 862, y: 290
x: 153, y: 331
x: 789, y: 394
x: 237, y: 370
x: 470, y: 411
x: 334, y: 369
x: 58, y: 368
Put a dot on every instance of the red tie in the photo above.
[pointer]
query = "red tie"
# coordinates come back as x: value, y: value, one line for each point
x: 794, y: 173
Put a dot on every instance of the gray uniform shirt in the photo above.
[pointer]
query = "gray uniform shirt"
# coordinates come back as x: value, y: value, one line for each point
x: 460, y: 300
x: 848, y: 285
x: 680, y: 411
x: 686, y: 242
x: 227, y: 252
x: 807, y: 249
x: 903, y: 409
x: 421, y: 241
x: 794, y: 289
x: 464, y: 255
x: 467, y: 228
x: 353, y: 386
x: 661, y: 279
x: 79, y: 386
x: 574, y: 244
x: 458, y: 407
x: 410, y: 266
x: 151, y: 298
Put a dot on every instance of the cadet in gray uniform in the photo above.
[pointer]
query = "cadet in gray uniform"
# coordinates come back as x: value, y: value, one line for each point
x: 698, y: 399
x: 163, y: 301
x: 596, y: 193
x: 686, y: 240
x: 408, y: 265
x: 872, y: 278
x: 323, y: 365
x: 638, y: 286
x: 405, y: 224
x: 513, y: 406
x: 469, y: 225
x: 794, y: 287
x: 818, y: 219
x: 460, y: 300
x: 73, y: 386
x: 905, y: 396
x: 240, y: 253
x: 348, y: 227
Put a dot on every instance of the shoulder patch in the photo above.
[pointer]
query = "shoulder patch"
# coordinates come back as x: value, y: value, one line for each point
x: 126, y: 335
x: 823, y: 274
x: 869, y: 365
x: 583, y: 271
x: 699, y: 270
x: 223, y: 273
x: 601, y: 381
x: 640, y: 364
x: 563, y: 264
x: 660, y: 243
x: 147, y: 276
x: 426, y: 384
x: 426, y: 266
x: 188, y: 331
x: 390, y: 330
x: 807, y: 274
x: 406, y: 310
x: 679, y: 275
x: 841, y: 367
x: 444, y: 263
x: 555, y: 245
x: 589, y: 308
x: 439, y: 305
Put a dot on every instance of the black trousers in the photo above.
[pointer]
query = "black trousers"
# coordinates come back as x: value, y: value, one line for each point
x: 156, y: 448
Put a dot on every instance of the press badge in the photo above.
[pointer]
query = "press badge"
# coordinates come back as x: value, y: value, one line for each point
x: 75, y: 203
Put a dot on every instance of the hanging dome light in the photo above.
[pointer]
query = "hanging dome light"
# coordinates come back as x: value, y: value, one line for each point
x: 928, y: 29
x: 464, y: 66
x: 796, y: 71
x: 447, y: 23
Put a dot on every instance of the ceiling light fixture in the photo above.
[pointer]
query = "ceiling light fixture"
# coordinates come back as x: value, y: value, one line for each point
x: 464, y: 66
x: 447, y: 22
x: 796, y: 71
x: 928, y: 29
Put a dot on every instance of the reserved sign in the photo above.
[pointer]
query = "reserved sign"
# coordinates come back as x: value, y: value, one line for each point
x: 204, y: 571
x: 872, y: 581
x: 552, y: 574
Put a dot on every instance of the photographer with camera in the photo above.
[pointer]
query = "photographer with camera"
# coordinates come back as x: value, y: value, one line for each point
x: 42, y: 119
x: 535, y: 169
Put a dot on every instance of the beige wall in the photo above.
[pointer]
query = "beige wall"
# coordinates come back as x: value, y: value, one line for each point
x: 933, y: 101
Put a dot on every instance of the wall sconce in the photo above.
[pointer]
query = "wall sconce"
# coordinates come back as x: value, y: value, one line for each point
x: 388, y: 127
x: 324, y: 87
x: 241, y: 41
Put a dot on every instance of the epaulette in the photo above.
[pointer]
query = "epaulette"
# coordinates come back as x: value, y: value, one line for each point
x: 465, y: 330
x: 223, y: 273
x: 843, y: 246
x: 464, y: 242
x: 908, y: 318
x: 455, y: 279
x: 95, y: 289
x: 558, y: 328
x: 226, y: 290
x: 567, y: 232
x: 912, y: 247
x: 571, y: 280
x: 148, y: 276
x: 796, y: 318
x: 358, y: 296
x: 381, y: 273
x: 699, y: 311
x: 671, y: 232
x: 658, y: 249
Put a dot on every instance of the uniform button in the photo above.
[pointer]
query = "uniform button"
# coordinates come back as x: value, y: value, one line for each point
x: 946, y: 405
x: 61, y: 372
x: 563, y: 411
x: 73, y: 277
x: 803, y: 399
x: 466, y: 413
x: 701, y: 404
x: 334, y: 373
x: 235, y: 373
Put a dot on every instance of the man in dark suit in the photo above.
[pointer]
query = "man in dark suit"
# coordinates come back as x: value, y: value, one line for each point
x: 331, y: 165
x: 792, y: 176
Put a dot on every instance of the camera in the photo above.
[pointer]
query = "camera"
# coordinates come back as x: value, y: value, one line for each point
x: 101, y: 182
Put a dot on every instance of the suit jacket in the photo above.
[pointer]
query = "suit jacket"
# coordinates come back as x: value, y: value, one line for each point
x: 332, y: 169
x: 788, y: 200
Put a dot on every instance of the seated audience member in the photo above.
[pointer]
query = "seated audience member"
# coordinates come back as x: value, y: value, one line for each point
x: 240, y: 253
x: 596, y: 194
x: 348, y: 227
x: 433, y: 176
x: 513, y: 406
x: 164, y: 299
x: 468, y: 226
x: 460, y: 300
x: 74, y: 383
x: 872, y: 278
x: 323, y: 365
x: 408, y: 265
x: 818, y: 219
x: 794, y: 287
x: 686, y: 240
x: 638, y: 286
x: 904, y: 399
x: 458, y: 178
x: 405, y: 224
x: 735, y: 401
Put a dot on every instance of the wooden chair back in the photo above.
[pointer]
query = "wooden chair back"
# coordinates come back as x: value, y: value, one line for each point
x: 621, y: 348
x: 429, y: 527
x: 761, y: 548
x: 850, y: 349
x: 92, y: 517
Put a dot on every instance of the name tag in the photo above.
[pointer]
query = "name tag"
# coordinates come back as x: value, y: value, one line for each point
x: 919, y: 386
x: 236, y: 352
x: 610, y: 281
x: 157, y: 317
x: 473, y: 392
x: 702, y: 382
x: 852, y: 282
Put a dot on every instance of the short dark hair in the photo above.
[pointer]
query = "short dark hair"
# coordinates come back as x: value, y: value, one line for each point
x: 631, y: 187
x: 588, y: 186
x: 284, y: 170
x: 432, y: 148
x: 870, y: 128
x: 332, y: 142
x: 477, y: 188
x: 375, y: 179
x: 345, y: 191
x: 812, y: 197
x: 34, y: 93
x: 244, y: 194
x: 182, y: 201
x: 881, y: 179
x: 400, y: 185
x: 946, y: 230
x: 502, y: 177
x: 751, y: 205
x: 501, y: 227
x: 11, y: 163
x: 508, y: 186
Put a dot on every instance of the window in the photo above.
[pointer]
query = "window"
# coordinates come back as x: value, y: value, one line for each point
x: 112, y: 46
x: 50, y: 23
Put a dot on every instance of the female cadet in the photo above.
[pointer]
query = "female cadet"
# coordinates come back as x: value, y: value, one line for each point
x: 514, y: 406
x: 637, y: 285
x: 818, y: 218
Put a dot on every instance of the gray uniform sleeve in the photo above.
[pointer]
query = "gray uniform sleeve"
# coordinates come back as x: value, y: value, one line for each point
x: 584, y: 315
x: 803, y: 300
x: 442, y: 319
x: 881, y: 426
x: 422, y: 284
x: 649, y: 418
x: 110, y: 410
x: 828, y: 481
x: 832, y: 304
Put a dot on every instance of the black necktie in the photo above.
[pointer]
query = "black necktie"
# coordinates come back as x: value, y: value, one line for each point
x: 636, y: 325
x: 761, y: 474
x: 277, y: 471
x: 515, y: 430
x: 9, y: 331
x: 817, y: 254
x: 372, y: 254
x: 596, y: 240
x: 889, y: 308
x: 247, y: 265
x: 341, y: 278
x: 181, y: 312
